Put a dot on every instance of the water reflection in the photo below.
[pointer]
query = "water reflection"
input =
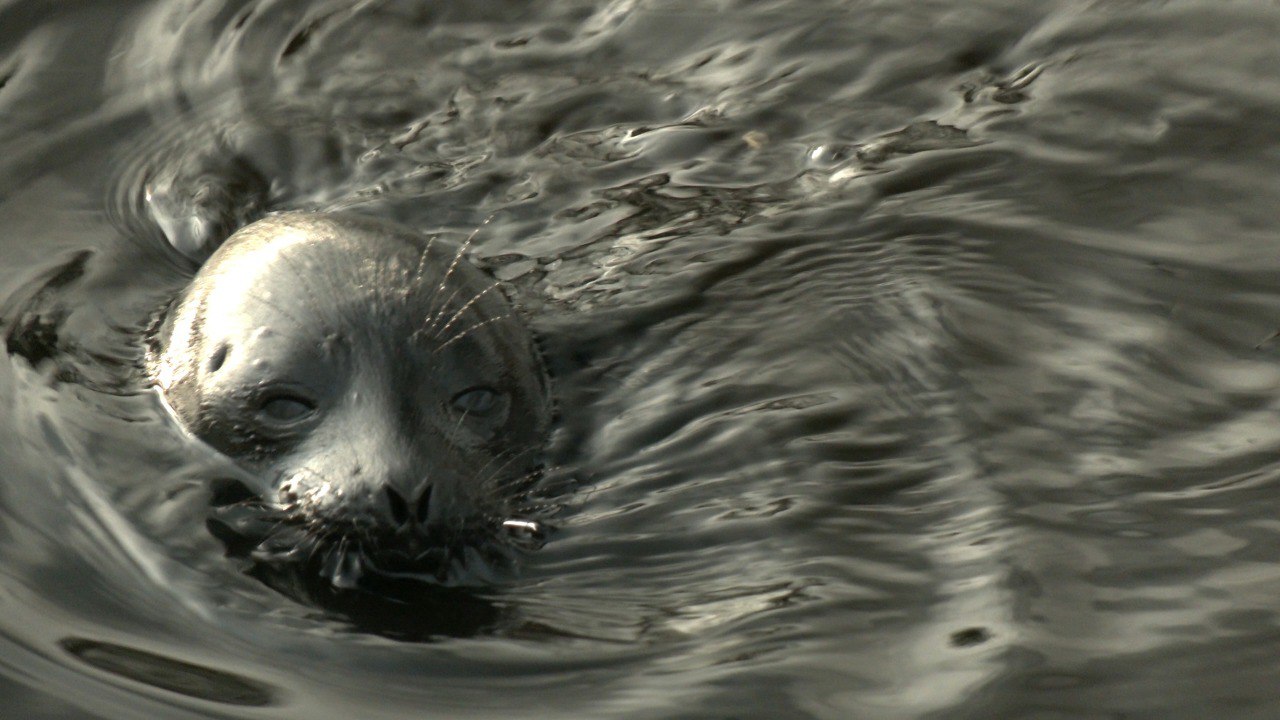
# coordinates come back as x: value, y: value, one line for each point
x: 912, y: 354
x: 166, y: 673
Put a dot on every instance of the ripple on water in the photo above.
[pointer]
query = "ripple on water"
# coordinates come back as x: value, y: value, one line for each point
x: 914, y: 360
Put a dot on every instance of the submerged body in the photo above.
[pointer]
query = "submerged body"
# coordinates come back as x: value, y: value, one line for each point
x: 382, y: 391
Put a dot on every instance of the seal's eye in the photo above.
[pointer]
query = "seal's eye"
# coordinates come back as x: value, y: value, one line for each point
x: 476, y: 401
x: 283, y: 408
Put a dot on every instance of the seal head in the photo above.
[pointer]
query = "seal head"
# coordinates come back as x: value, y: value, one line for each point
x: 383, y: 390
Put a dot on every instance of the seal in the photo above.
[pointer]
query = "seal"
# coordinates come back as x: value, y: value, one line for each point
x: 382, y: 391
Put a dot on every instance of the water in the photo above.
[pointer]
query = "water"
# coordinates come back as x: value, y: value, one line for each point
x: 916, y: 359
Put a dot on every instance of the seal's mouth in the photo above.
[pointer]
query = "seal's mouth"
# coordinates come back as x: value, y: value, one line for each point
x: 289, y: 546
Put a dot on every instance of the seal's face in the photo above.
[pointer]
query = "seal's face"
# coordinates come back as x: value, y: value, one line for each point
x: 379, y: 385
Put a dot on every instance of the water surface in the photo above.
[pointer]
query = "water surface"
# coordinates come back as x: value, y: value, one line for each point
x: 916, y: 360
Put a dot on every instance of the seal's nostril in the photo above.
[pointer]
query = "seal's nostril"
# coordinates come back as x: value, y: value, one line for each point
x: 218, y: 358
x: 399, y: 508
x: 229, y: 491
x: 423, y: 509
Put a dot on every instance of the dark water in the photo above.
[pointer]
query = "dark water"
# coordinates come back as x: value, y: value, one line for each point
x: 917, y: 357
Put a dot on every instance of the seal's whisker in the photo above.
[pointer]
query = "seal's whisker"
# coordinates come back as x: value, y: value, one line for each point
x: 468, y: 331
x: 422, y: 263
x: 316, y: 548
x: 331, y: 561
x: 453, y: 434
x: 496, y: 476
x: 504, y: 485
x: 509, y: 455
x: 457, y: 257
x: 434, y: 315
x: 466, y: 307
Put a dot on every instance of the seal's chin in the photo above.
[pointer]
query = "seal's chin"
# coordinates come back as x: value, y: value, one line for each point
x: 296, y: 550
